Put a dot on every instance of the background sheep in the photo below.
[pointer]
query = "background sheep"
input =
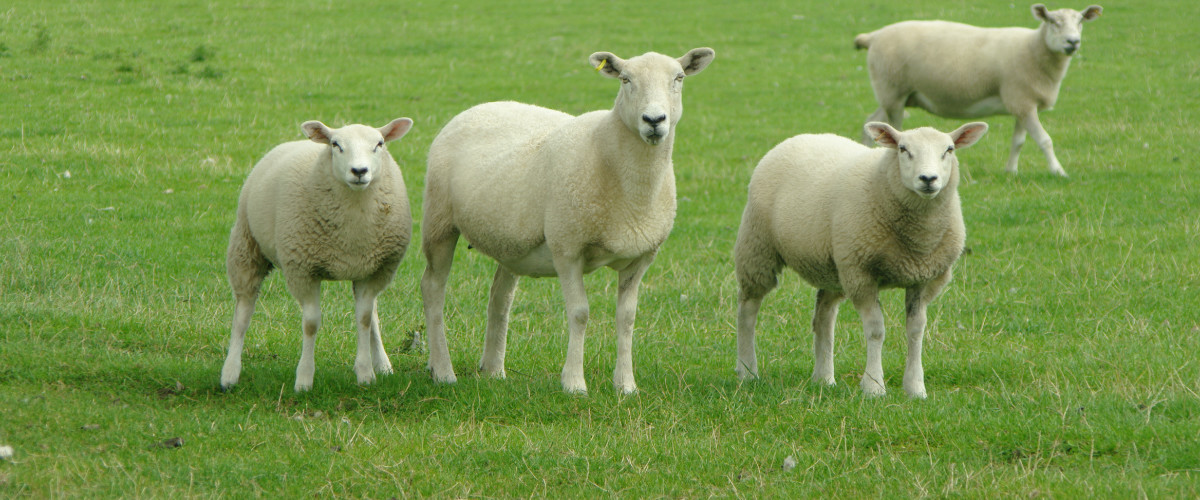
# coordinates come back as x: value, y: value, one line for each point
x: 961, y: 71
x: 330, y: 208
x: 548, y: 194
x: 898, y: 225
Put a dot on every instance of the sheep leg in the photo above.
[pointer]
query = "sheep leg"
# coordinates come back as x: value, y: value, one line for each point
x: 629, y: 279
x: 379, y: 356
x: 1018, y: 140
x: 504, y: 287
x: 308, y: 293
x: 747, y: 318
x: 824, y: 318
x: 365, y: 294
x: 867, y: 304
x: 914, y: 374
x: 246, y: 268
x: 1042, y: 139
x: 570, y: 278
x: 439, y: 254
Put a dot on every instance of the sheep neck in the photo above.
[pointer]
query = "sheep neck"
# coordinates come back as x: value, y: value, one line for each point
x: 919, y: 224
x: 639, y: 168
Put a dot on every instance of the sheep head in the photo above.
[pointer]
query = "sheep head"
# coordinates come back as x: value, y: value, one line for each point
x: 926, y: 156
x: 1062, y: 29
x: 357, y: 151
x: 650, y: 100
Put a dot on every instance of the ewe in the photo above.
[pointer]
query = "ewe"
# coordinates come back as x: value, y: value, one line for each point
x: 331, y: 208
x: 960, y: 71
x: 548, y: 194
x: 851, y: 221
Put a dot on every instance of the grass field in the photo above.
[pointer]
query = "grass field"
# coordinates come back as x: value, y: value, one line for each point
x: 1061, y: 362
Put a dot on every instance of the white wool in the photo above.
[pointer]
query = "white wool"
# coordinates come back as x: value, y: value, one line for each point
x: 851, y: 221
x: 330, y: 208
x: 545, y: 193
x: 961, y: 71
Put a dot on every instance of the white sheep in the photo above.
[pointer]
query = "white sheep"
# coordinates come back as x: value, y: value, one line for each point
x: 548, y: 194
x: 330, y: 208
x: 852, y: 220
x: 961, y: 71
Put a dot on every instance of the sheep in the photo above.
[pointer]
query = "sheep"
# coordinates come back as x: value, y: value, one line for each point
x: 851, y: 221
x: 333, y: 207
x: 547, y: 194
x: 960, y: 71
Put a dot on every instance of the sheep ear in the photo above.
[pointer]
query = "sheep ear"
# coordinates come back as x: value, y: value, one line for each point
x: 396, y: 129
x: 883, y: 133
x: 607, y: 63
x: 968, y: 134
x: 1039, y: 11
x: 696, y: 60
x: 1092, y: 12
x: 316, y: 131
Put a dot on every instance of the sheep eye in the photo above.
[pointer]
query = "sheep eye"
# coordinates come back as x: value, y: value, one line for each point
x: 679, y: 78
x: 902, y: 149
x: 380, y: 145
x: 950, y: 149
x: 336, y: 145
x: 624, y: 80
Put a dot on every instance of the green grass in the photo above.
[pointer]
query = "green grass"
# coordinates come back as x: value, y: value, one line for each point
x: 1061, y: 362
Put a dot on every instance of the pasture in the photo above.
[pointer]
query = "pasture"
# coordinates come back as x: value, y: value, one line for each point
x: 1060, y: 362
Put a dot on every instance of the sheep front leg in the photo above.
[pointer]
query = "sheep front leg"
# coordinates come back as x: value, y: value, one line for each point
x: 630, y: 279
x: 867, y: 304
x: 308, y: 293
x: 439, y: 255
x: 503, y: 288
x: 1031, y: 123
x: 570, y: 278
x: 824, y: 318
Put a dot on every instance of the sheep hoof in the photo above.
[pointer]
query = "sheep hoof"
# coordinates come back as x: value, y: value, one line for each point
x: 872, y: 388
x: 625, y: 385
x: 824, y: 380
x: 746, y: 374
x: 303, y: 387
x: 496, y: 373
x: 384, y: 369
x: 917, y: 394
x: 574, y: 385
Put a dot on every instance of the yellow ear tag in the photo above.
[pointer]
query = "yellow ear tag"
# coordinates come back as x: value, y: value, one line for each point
x: 602, y: 63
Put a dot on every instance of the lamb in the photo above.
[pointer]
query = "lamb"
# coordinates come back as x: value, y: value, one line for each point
x: 546, y: 194
x: 851, y: 221
x: 960, y: 71
x: 333, y: 207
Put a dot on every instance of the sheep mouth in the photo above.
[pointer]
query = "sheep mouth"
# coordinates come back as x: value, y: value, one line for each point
x: 1070, y: 49
x: 358, y: 183
x: 928, y: 192
x: 653, y: 138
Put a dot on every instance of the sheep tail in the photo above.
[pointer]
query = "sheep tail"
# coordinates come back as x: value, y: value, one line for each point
x: 862, y: 41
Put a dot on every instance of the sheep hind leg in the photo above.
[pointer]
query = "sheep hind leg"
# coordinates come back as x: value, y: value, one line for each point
x: 495, y: 342
x: 570, y: 278
x: 914, y: 373
x: 824, y: 318
x: 871, y: 314
x: 1018, y: 140
x: 246, y: 268
x: 308, y: 293
x: 629, y: 280
x: 439, y: 255
x: 367, y: 319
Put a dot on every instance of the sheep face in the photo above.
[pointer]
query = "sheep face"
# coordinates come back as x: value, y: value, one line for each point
x: 357, y: 151
x: 650, y: 100
x: 1062, y: 29
x: 926, y: 156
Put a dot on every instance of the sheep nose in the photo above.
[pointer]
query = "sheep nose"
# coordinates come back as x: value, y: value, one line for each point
x: 358, y: 172
x: 927, y: 179
x: 654, y: 120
